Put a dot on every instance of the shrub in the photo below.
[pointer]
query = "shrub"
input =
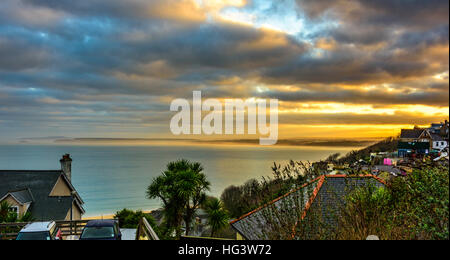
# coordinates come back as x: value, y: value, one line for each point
x: 421, y: 201
x: 411, y: 207
x: 130, y: 219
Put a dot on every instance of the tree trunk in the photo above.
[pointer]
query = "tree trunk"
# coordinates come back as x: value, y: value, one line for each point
x: 187, y: 221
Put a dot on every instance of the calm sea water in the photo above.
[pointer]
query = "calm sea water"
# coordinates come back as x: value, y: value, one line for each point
x: 110, y: 178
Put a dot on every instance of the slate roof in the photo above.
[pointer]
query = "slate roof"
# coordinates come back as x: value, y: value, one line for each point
x: 39, y: 184
x: 326, y: 192
x: 22, y: 196
x: 411, y: 133
x: 437, y: 138
x: 332, y: 193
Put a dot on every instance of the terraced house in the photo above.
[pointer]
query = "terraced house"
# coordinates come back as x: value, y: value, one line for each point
x: 47, y: 195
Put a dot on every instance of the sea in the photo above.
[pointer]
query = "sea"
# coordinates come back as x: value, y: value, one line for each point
x: 110, y: 178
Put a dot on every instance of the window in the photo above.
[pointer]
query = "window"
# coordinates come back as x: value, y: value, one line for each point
x: 98, y: 233
x: 14, y: 209
x: 34, y: 236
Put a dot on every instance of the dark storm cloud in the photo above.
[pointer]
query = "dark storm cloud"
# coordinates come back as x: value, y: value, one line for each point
x: 377, y: 21
x: 362, y: 97
x: 374, y: 41
x: 357, y: 66
x: 19, y: 53
x: 102, y: 38
x: 130, y: 9
x: 410, y: 13
x: 215, y: 45
x: 115, y: 61
x: 398, y: 118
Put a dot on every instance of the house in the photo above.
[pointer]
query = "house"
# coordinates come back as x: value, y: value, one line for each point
x: 441, y: 129
x: 378, y: 169
x: 435, y: 128
x: 418, y: 141
x: 47, y: 195
x: 438, y: 143
x: 445, y: 130
x: 326, y: 193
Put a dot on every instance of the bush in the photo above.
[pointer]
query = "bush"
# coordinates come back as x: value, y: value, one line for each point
x: 130, y: 219
x: 367, y: 211
x: 421, y: 201
x: 411, y: 207
x: 6, y: 216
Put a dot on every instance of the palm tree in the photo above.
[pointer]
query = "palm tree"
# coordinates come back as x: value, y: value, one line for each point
x: 217, y: 216
x: 181, y: 188
x: 6, y: 216
x: 4, y: 211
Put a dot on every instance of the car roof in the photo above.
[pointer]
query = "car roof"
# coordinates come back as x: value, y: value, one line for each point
x: 101, y: 223
x: 38, y: 227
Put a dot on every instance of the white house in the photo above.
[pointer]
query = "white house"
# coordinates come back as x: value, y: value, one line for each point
x: 438, y: 143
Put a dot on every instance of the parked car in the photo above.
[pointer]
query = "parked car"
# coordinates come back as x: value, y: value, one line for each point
x: 101, y: 230
x: 40, y: 231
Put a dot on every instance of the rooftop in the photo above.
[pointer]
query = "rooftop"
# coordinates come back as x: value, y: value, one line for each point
x: 437, y: 138
x: 326, y: 191
x: 35, y: 186
x: 411, y: 133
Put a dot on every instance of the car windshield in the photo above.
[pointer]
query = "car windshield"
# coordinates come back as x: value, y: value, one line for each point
x: 34, y: 236
x: 97, y: 232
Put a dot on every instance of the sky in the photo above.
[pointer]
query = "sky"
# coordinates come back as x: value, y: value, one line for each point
x: 110, y: 68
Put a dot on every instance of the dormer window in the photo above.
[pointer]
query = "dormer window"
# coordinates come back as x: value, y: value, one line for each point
x: 14, y: 209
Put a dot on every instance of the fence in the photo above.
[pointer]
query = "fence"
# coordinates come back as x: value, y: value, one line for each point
x: 9, y: 231
x: 145, y: 231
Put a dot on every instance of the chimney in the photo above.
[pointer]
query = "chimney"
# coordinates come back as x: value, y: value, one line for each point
x: 66, y: 166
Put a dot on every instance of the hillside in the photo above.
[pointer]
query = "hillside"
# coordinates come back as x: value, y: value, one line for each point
x: 387, y: 145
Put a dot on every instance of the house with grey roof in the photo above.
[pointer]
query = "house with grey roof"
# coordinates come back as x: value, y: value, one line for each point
x: 438, y: 142
x: 47, y: 195
x: 322, y: 198
x: 417, y: 141
x: 439, y: 128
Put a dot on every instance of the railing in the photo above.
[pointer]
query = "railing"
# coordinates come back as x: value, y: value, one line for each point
x: 9, y: 231
x: 145, y: 231
x: 71, y: 228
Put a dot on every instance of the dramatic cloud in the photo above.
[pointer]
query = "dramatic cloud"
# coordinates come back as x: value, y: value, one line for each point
x: 112, y: 67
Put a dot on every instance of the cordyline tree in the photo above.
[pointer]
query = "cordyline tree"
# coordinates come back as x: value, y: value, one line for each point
x: 181, y: 188
x: 7, y: 216
x: 217, y: 215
